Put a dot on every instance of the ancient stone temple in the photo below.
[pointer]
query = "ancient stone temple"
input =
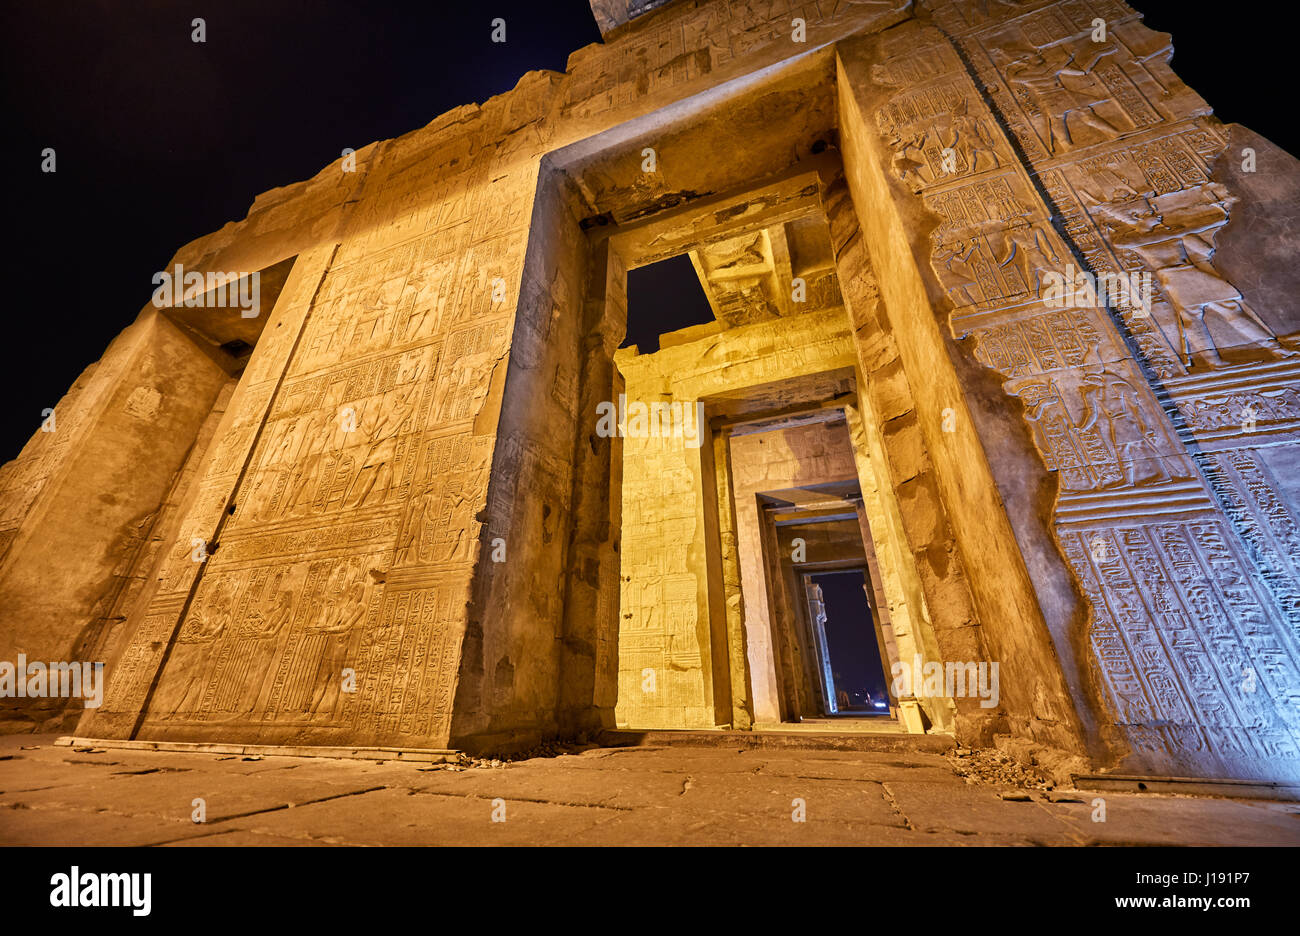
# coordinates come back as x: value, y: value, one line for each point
x: 1002, y: 331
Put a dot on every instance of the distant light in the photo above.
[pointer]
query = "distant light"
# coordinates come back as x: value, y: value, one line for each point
x: 880, y: 705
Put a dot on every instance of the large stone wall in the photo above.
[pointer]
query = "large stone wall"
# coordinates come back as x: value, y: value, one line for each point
x: 1101, y: 499
x: 83, y: 498
x: 361, y: 548
x: 1164, y: 507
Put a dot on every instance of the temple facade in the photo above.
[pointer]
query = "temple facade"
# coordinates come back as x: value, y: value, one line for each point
x: 1002, y: 326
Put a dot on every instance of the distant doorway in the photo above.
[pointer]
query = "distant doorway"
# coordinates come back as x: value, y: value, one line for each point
x: 848, y: 643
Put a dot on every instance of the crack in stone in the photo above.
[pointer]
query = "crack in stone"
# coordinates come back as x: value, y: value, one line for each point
x: 523, y: 799
x: 893, y: 804
x: 191, y: 838
x: 282, y: 806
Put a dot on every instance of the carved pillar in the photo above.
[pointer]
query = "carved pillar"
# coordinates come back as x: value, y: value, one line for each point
x: 1106, y: 169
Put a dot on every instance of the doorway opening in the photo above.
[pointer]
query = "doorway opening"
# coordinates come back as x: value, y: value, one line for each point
x: 736, y: 436
x: 665, y: 298
x: 818, y: 630
x: 671, y: 617
x: 849, y: 647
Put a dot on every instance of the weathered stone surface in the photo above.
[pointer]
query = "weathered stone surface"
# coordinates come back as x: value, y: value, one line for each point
x: 616, y: 796
x: 384, y: 510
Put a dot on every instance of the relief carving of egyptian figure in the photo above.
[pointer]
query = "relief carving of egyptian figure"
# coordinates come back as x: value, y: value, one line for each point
x: 340, y: 618
x: 210, y: 614
x: 322, y: 439
x: 374, y: 318
x: 1068, y: 104
x: 909, y: 158
x: 241, y: 681
x: 414, y: 307
x: 191, y: 659
x: 301, y: 429
x: 375, y: 475
x: 1029, y: 252
x: 951, y: 263
x: 1113, y: 408
x: 971, y: 138
x: 445, y: 536
x: 292, y: 439
x: 270, y: 616
x: 1173, y: 236
x: 953, y: 145
x: 329, y: 634
x: 423, y: 530
x: 1057, y: 437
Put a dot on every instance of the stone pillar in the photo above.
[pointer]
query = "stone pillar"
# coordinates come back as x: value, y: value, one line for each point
x: 742, y: 711
x: 980, y: 594
x: 589, y: 660
x: 81, y: 499
x: 1034, y: 150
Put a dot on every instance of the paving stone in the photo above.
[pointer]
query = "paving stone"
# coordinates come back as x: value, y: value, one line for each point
x: 662, y: 796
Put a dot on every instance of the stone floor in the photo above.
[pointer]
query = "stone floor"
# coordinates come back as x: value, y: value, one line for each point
x: 644, y: 795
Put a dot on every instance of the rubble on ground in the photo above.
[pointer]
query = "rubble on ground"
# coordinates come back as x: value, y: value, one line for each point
x: 988, y: 765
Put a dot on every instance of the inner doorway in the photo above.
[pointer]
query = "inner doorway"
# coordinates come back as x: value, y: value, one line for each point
x: 815, y: 601
x: 849, y: 647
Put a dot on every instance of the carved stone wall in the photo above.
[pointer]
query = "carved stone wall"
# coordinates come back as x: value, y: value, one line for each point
x: 415, y: 312
x: 1067, y: 150
x: 404, y: 483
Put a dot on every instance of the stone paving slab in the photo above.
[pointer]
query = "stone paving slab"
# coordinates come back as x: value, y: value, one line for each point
x: 1181, y: 821
x: 96, y: 826
x: 171, y: 795
x: 974, y: 810
x: 235, y: 838
x: 617, y: 796
x: 404, y: 817
x: 881, y: 768
x: 559, y: 783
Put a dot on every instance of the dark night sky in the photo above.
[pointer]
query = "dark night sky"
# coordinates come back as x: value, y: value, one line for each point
x: 161, y: 140
x: 661, y: 298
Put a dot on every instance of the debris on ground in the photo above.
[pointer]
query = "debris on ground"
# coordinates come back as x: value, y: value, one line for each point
x: 464, y: 762
x: 988, y: 765
x: 552, y: 749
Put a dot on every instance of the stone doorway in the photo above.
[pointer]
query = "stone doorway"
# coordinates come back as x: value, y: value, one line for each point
x: 721, y: 470
x: 854, y: 672
x: 673, y: 638
x: 797, y: 504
